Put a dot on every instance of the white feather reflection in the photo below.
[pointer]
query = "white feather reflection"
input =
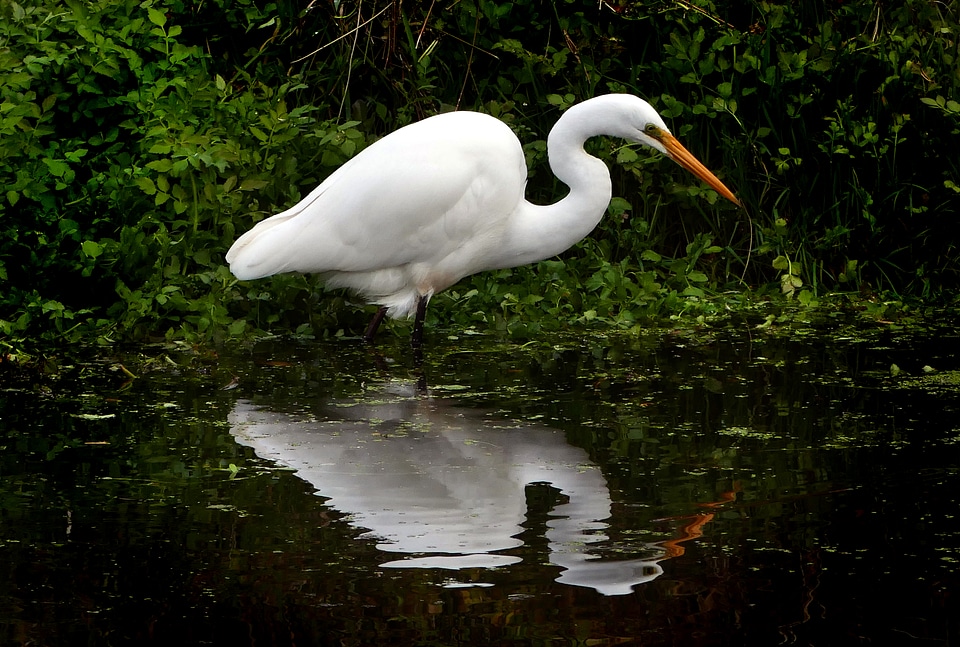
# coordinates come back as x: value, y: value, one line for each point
x: 446, y: 485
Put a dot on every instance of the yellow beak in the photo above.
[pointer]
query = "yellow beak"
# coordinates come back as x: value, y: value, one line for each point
x: 685, y: 158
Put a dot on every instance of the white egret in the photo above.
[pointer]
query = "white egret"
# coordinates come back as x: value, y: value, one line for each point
x: 442, y: 199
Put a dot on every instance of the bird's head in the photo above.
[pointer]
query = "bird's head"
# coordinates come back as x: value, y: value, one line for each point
x: 635, y: 120
x: 658, y: 137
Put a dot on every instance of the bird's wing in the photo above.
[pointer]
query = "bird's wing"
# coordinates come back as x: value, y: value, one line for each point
x: 415, y: 196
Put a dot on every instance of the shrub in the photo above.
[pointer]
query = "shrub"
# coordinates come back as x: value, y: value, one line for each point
x: 137, y: 139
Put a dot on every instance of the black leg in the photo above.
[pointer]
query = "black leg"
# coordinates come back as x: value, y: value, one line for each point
x: 416, y: 339
x: 375, y: 324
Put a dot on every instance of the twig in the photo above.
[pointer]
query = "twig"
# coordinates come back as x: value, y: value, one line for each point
x: 355, y: 30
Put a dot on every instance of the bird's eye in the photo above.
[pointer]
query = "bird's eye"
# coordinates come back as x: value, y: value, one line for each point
x: 651, y: 129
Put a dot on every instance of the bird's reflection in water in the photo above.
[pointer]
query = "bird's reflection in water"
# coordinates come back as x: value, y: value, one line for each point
x: 445, y: 485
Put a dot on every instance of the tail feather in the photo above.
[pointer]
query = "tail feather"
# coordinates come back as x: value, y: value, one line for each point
x: 260, y: 252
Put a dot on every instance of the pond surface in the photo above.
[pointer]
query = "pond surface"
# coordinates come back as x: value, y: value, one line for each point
x: 695, y: 488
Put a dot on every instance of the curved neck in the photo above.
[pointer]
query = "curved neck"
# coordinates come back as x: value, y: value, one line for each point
x: 537, y: 232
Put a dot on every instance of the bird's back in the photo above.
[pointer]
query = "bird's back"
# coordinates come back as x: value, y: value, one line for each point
x: 428, y: 198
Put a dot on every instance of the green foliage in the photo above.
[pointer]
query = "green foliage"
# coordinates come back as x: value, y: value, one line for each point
x: 138, y: 139
x: 126, y: 160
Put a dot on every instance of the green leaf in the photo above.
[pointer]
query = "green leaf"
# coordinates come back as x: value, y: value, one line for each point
x: 146, y: 185
x: 251, y: 184
x: 57, y: 168
x: 626, y: 155
x: 791, y: 280
x: 157, y: 17
x: 76, y: 155
x: 161, y: 166
x: 52, y: 306
x: 91, y: 248
x: 619, y: 206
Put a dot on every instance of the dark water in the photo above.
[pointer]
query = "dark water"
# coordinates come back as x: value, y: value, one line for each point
x: 730, y: 488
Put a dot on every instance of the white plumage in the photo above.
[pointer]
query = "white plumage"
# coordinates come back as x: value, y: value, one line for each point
x: 443, y: 198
